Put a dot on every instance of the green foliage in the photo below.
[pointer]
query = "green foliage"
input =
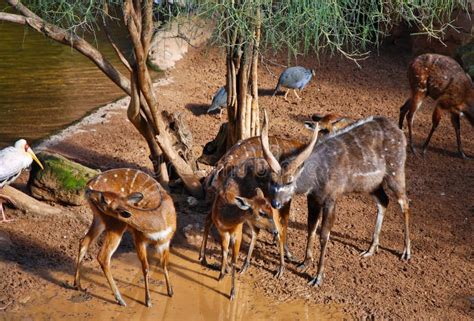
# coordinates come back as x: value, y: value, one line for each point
x: 347, y: 26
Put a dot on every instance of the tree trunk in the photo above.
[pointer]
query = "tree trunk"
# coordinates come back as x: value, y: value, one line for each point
x: 242, y: 84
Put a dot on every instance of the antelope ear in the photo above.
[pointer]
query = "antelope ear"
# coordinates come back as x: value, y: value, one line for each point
x: 260, y: 192
x: 102, y: 199
x: 242, y: 203
x: 134, y: 198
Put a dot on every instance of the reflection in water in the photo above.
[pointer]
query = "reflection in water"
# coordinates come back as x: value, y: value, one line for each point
x: 45, y: 85
x: 197, y: 296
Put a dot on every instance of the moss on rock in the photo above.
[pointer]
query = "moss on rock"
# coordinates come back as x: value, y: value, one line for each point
x: 61, y: 181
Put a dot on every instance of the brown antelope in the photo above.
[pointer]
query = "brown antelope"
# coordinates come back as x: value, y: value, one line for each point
x: 359, y: 158
x: 329, y: 123
x: 230, y: 211
x: 442, y: 79
x: 249, y: 151
x: 124, y: 199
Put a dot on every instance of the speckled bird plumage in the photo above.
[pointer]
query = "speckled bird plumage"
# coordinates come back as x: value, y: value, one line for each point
x: 294, y: 78
x: 219, y: 101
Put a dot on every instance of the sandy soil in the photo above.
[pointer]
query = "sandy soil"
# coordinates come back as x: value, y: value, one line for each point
x: 435, y: 284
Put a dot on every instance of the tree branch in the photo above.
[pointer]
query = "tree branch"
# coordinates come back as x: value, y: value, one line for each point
x: 119, y: 53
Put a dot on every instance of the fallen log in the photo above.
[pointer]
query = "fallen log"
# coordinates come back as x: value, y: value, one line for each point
x: 30, y: 205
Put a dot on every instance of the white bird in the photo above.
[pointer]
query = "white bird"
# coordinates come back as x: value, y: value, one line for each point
x: 13, y: 160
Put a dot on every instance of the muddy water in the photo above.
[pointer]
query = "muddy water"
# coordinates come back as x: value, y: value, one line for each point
x: 45, y: 86
x: 197, y: 296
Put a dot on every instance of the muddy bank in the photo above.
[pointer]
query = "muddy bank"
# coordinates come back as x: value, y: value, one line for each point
x: 197, y: 296
x: 37, y: 254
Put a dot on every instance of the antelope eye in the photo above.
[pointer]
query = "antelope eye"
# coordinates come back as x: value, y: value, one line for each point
x: 263, y: 214
x: 125, y: 214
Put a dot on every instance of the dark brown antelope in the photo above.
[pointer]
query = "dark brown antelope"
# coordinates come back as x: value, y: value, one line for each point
x: 329, y: 123
x: 442, y: 79
x: 124, y: 199
x: 359, y: 158
x: 249, y: 151
x: 229, y: 212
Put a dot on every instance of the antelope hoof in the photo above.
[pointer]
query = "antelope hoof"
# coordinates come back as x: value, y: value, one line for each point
x: 371, y: 251
x: 423, y: 152
x: 221, y: 276
x: 280, y: 272
x: 203, y: 261
x: 244, y: 267
x: 148, y: 303
x: 316, y: 281
x: 170, y: 292
x: 406, y: 255
x: 120, y: 301
x: 464, y: 156
x: 77, y: 286
x: 367, y: 253
x: 303, y: 267
x: 232, y: 294
x: 288, y: 255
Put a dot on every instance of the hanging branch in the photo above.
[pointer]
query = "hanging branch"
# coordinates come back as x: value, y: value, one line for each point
x: 118, y: 52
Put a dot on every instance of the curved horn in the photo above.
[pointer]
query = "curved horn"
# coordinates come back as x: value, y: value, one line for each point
x: 295, y: 163
x: 267, y: 154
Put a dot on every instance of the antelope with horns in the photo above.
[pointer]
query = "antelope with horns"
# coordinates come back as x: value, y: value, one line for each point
x: 231, y: 210
x: 247, y: 154
x: 359, y: 158
x: 124, y: 199
x: 443, y: 79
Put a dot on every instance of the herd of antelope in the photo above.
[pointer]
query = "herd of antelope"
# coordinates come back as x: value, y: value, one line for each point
x: 254, y: 182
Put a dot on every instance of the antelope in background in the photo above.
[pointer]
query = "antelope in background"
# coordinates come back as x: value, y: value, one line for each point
x: 359, y: 158
x: 443, y: 79
x: 231, y: 210
x: 124, y: 199
x: 329, y: 123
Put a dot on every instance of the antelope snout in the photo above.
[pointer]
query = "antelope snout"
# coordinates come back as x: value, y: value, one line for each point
x: 275, y: 234
x: 276, y: 204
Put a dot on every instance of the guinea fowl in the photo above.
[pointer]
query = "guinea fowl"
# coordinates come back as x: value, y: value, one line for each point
x: 294, y: 78
x: 13, y: 160
x: 219, y: 101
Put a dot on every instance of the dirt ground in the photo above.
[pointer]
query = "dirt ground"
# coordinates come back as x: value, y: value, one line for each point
x: 435, y: 284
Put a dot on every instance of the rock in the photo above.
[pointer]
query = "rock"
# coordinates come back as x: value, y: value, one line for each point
x: 61, y: 181
x: 171, y: 42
